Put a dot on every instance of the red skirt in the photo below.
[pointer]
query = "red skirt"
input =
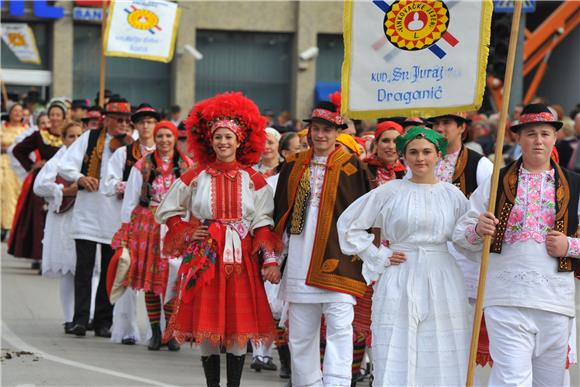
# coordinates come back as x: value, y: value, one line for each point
x: 148, y: 270
x: 229, y: 309
x: 361, y: 324
x: 28, y: 225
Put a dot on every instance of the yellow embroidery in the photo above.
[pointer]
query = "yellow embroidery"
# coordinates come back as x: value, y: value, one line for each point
x: 298, y: 217
x: 330, y: 265
x: 349, y: 169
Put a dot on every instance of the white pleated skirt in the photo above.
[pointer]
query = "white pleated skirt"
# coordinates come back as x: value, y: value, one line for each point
x: 420, y: 327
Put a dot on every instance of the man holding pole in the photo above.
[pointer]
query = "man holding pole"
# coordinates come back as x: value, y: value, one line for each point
x: 529, y: 299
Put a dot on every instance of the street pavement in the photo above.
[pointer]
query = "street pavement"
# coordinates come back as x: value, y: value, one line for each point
x: 36, y: 352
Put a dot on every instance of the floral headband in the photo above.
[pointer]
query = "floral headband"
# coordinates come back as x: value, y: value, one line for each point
x: 227, y: 123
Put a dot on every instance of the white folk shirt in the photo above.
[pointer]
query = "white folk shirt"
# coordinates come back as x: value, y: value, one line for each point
x: 96, y: 216
x: 293, y: 286
x: 523, y: 275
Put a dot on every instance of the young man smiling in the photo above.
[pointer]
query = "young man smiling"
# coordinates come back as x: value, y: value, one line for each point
x: 318, y: 278
x: 529, y: 298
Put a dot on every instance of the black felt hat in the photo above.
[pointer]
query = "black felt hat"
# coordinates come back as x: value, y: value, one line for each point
x: 536, y: 113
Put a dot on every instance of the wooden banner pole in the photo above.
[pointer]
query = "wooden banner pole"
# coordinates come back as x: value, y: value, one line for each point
x: 503, y: 117
x: 103, y: 57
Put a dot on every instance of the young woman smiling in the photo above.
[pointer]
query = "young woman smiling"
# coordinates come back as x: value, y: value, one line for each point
x: 420, y: 333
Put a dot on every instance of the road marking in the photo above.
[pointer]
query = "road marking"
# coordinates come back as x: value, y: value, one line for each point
x: 15, y: 341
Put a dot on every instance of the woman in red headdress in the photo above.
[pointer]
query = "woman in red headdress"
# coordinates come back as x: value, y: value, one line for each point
x: 219, y: 216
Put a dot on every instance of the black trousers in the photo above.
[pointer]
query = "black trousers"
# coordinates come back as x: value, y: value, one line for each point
x: 86, y: 252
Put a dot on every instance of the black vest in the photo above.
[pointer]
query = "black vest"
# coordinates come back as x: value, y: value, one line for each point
x: 465, y: 174
x: 130, y: 161
x: 93, y: 137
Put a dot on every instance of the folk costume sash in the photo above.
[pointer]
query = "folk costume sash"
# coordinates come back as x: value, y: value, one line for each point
x: 152, y: 167
x: 345, y: 180
x: 465, y: 174
x: 567, y: 186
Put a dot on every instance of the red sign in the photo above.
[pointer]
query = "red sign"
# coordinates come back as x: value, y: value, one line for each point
x: 90, y: 3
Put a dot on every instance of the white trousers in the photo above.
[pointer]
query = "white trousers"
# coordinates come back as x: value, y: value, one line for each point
x: 528, y: 346
x: 304, y: 342
x: 261, y: 351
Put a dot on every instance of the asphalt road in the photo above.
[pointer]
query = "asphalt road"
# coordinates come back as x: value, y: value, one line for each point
x: 36, y: 352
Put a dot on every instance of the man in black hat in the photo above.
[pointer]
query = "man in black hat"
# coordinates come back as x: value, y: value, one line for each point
x: 314, y: 186
x: 529, y: 299
x: 96, y: 216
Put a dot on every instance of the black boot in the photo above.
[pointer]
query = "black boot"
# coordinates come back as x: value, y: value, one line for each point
x: 155, y: 340
x: 235, y: 366
x: 211, y: 369
x: 284, y: 353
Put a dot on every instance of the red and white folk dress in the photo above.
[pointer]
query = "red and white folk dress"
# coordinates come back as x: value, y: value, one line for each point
x: 146, y: 187
x: 221, y: 296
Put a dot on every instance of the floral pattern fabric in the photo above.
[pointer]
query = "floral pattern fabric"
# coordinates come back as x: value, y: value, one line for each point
x: 446, y: 167
x: 534, y: 211
x: 317, y: 172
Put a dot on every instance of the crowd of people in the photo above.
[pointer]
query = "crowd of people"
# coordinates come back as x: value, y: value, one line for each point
x: 349, y: 247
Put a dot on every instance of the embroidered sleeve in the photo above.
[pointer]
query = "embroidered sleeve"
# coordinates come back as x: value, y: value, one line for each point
x: 471, y: 235
x: 573, y: 247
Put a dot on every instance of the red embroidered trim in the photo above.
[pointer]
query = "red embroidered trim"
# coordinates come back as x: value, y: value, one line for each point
x: 118, y: 107
x: 536, y: 117
x: 328, y: 115
x: 226, y: 196
x: 257, y: 178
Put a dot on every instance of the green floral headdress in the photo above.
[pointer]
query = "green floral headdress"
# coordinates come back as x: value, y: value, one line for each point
x: 430, y: 135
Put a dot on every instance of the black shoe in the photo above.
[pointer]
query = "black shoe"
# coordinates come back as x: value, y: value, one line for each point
x: 35, y: 265
x: 234, y: 366
x: 155, y: 340
x: 268, y: 364
x: 129, y: 341
x: 173, y: 345
x: 78, y: 330
x: 256, y: 364
x: 102, y: 332
x: 91, y: 325
x: 284, y: 353
x: 211, y: 369
x: 68, y: 328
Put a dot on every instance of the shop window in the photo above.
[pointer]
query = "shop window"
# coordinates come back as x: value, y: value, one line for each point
x: 330, y: 56
x: 41, y: 35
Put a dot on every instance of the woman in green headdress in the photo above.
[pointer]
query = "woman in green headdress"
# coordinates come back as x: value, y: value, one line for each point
x: 420, y: 329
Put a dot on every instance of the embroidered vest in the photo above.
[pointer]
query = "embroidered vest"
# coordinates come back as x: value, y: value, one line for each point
x: 567, y: 186
x: 91, y: 160
x: 465, y: 175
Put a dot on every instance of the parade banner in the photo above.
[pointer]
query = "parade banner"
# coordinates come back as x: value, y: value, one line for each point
x: 20, y: 38
x: 144, y: 29
x: 414, y: 58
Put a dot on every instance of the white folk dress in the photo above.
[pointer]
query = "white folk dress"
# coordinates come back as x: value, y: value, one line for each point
x: 58, y: 251
x: 420, y: 329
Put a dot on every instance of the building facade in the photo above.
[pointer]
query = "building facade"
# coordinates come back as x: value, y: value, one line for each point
x: 250, y: 46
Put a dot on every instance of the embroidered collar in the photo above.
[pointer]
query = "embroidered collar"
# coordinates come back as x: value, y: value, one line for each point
x: 229, y: 169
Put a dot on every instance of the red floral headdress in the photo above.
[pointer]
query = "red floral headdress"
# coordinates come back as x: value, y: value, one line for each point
x: 242, y: 117
x: 336, y: 99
